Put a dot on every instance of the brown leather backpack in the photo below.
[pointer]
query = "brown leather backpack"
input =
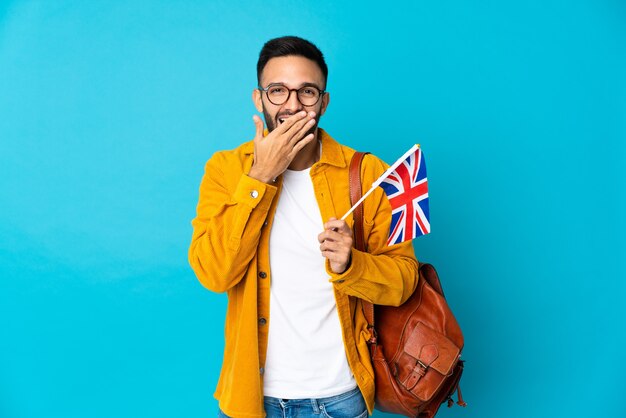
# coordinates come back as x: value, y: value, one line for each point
x: 416, y: 347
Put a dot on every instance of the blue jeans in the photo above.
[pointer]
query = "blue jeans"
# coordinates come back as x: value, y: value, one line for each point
x: 347, y: 405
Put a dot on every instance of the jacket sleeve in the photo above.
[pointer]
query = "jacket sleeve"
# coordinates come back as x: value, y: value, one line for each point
x: 227, y: 228
x: 384, y: 275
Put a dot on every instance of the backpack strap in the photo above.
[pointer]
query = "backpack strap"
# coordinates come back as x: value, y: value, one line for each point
x: 359, y: 239
x: 355, y: 194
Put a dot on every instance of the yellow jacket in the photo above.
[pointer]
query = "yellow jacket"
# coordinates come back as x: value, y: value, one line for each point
x: 229, y: 252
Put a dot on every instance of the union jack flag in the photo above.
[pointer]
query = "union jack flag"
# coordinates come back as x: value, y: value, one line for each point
x: 406, y: 187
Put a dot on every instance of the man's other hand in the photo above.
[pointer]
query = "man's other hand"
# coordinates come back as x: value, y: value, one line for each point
x: 336, y: 244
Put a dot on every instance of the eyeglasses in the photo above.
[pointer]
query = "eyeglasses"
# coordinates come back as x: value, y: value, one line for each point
x: 278, y: 94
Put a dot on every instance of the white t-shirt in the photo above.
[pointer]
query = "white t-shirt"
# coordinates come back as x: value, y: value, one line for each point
x: 305, y: 354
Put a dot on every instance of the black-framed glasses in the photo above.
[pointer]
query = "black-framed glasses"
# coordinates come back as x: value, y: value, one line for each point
x: 278, y: 94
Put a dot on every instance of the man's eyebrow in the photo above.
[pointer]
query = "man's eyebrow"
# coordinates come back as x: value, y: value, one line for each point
x: 311, y: 85
x: 306, y: 84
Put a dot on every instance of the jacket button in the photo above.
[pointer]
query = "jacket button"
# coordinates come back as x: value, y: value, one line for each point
x: 262, y: 370
x: 262, y: 274
x: 254, y: 194
x: 265, y: 223
x: 262, y: 321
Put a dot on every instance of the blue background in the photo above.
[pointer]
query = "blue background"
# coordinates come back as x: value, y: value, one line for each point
x: 109, y: 109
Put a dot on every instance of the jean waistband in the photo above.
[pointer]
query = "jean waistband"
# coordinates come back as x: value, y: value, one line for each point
x: 279, y: 401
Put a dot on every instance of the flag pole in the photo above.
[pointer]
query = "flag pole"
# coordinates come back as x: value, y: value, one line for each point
x: 359, y: 202
x: 381, y: 178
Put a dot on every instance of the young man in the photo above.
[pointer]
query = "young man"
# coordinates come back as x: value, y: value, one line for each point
x: 267, y: 233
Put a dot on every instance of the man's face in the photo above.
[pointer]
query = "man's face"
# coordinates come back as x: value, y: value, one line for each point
x: 292, y: 72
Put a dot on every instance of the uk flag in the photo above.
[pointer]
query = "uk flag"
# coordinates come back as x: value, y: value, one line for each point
x: 406, y: 187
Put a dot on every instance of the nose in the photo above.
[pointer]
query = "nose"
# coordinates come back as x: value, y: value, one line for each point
x: 293, y: 104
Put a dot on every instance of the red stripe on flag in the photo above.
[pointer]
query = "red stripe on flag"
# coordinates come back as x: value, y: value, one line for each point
x: 403, y: 172
x: 409, y: 195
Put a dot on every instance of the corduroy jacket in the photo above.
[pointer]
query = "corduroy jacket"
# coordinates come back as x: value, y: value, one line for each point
x: 229, y: 252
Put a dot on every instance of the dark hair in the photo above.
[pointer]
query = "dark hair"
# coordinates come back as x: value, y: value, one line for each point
x: 290, y: 45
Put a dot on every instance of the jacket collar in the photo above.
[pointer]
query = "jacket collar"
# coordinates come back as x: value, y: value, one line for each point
x: 331, y: 150
x: 332, y: 154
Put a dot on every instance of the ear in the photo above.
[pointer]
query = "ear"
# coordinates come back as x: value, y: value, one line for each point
x: 256, y: 99
x: 325, y: 101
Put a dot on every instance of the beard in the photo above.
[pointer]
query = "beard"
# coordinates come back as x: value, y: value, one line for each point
x: 272, y: 122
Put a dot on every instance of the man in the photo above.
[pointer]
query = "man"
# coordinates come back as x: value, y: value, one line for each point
x: 267, y: 233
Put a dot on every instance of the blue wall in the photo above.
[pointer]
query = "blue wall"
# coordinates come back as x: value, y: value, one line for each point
x: 108, y: 111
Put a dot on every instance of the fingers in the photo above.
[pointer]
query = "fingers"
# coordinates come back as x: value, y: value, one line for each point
x: 337, y: 253
x: 297, y: 126
x: 336, y: 230
x: 301, y: 144
x: 330, y: 235
x: 291, y: 121
x: 259, y: 127
x: 298, y: 133
x: 335, y: 246
x: 339, y: 226
x: 335, y: 236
